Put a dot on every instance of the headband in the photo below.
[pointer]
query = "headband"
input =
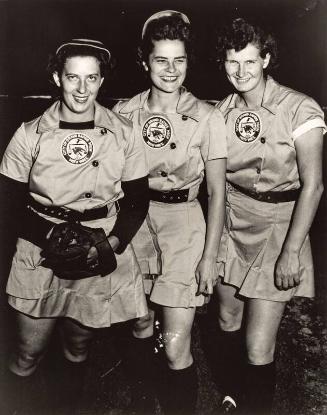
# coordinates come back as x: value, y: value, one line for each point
x: 164, y: 13
x: 96, y: 44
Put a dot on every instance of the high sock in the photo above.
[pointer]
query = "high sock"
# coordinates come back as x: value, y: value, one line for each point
x: 229, y: 364
x: 260, y: 386
x: 19, y: 392
x: 179, y: 391
x: 139, y: 363
x: 66, y: 383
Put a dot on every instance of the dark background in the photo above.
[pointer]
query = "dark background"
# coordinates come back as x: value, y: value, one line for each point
x: 34, y: 28
x: 31, y: 29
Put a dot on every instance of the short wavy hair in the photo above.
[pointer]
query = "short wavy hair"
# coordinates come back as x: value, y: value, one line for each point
x: 238, y: 34
x: 166, y: 27
x: 57, y: 61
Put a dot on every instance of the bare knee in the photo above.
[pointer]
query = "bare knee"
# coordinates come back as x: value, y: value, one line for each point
x: 177, y: 349
x: 24, y: 361
x: 260, y: 353
x: 143, y: 326
x: 76, y: 350
x: 230, y: 318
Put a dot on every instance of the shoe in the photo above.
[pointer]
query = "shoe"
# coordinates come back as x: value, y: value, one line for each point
x: 228, y: 405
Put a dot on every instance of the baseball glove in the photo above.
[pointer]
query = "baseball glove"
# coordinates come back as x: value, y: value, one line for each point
x: 67, y: 248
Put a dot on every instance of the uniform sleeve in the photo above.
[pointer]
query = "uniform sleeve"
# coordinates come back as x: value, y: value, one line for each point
x: 306, y: 116
x: 17, y: 159
x: 214, y: 138
x: 135, y: 159
x: 116, y: 107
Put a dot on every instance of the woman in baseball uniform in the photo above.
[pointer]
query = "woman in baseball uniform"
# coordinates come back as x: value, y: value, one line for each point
x: 274, y: 184
x: 184, y: 138
x: 76, y: 162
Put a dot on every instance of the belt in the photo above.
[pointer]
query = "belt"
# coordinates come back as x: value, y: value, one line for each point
x: 174, y: 196
x: 68, y: 214
x: 270, y: 197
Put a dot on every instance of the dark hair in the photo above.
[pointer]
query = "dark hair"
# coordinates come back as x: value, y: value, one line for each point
x: 57, y: 62
x: 166, y: 27
x: 238, y: 34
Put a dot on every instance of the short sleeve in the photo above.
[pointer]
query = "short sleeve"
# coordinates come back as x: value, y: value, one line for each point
x: 135, y: 159
x: 117, y: 107
x: 214, y: 143
x: 307, y: 115
x: 17, y: 160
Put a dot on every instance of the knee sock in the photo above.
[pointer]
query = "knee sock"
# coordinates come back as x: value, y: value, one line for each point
x: 19, y: 393
x: 66, y: 383
x: 179, y: 391
x: 260, y: 386
x: 139, y: 363
x: 229, y: 364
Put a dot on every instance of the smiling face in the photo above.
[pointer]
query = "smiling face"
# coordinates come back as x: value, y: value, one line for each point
x: 244, y: 69
x: 80, y: 82
x: 167, y: 65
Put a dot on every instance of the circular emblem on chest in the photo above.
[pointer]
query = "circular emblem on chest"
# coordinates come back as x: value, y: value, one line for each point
x: 247, y: 126
x: 77, y: 148
x: 156, y: 132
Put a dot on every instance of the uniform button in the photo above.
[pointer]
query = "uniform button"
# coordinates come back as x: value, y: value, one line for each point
x: 88, y: 195
x: 263, y: 140
x: 95, y: 163
x: 164, y: 174
x: 184, y: 117
x: 173, y: 146
x: 103, y: 131
x: 258, y: 170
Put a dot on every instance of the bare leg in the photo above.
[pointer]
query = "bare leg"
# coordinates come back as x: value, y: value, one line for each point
x: 177, y: 326
x: 263, y: 320
x: 33, y: 337
x: 179, y: 385
x: 262, y: 323
x: 76, y: 340
x: 230, y: 307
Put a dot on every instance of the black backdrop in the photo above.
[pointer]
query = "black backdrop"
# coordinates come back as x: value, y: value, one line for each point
x: 33, y: 28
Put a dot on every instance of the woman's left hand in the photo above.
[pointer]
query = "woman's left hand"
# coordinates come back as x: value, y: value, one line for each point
x: 206, y: 275
x: 287, y: 270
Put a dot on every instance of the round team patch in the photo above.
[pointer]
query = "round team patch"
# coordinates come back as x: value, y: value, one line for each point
x: 77, y: 148
x: 156, y: 132
x: 247, y: 126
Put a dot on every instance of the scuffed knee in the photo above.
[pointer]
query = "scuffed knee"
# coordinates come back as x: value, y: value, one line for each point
x: 177, y: 349
x: 24, y: 362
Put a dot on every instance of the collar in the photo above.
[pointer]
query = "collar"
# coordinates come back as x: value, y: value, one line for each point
x: 270, y: 96
x: 50, y: 119
x: 187, y: 104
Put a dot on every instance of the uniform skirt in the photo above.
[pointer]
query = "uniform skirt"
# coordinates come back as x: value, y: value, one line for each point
x: 94, y: 302
x: 252, y: 241
x: 170, y: 244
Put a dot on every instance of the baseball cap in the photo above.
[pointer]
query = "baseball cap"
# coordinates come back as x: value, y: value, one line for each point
x: 91, y: 43
x: 164, y: 13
